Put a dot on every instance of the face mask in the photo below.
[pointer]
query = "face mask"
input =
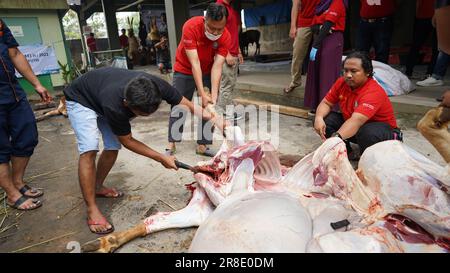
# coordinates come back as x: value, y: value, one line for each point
x: 212, y: 37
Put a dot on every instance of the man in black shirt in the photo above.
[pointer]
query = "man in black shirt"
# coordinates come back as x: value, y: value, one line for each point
x: 105, y: 100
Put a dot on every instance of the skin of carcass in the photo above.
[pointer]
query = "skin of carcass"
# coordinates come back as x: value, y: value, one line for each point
x: 244, y: 201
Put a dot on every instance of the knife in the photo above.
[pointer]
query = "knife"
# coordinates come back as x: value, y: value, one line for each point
x: 185, y: 166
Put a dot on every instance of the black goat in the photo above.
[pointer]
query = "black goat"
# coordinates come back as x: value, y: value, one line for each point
x: 249, y: 37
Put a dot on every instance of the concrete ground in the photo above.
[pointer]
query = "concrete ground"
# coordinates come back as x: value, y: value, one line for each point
x: 148, y: 187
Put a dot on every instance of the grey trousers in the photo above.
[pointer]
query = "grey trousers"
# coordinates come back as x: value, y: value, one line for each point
x: 227, y: 84
x: 185, y: 84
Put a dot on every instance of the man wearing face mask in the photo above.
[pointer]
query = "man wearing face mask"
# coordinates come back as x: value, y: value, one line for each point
x: 198, y: 62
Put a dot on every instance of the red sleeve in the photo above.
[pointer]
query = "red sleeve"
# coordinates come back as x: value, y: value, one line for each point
x: 369, y: 104
x: 224, y: 43
x: 333, y: 95
x: 336, y: 11
x: 188, y: 39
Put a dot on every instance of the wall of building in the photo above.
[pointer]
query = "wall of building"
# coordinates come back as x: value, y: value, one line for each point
x: 51, y: 33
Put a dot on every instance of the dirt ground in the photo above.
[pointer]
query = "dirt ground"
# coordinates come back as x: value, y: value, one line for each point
x: 147, y: 185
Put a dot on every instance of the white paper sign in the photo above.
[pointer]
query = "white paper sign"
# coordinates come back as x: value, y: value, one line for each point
x: 42, y: 59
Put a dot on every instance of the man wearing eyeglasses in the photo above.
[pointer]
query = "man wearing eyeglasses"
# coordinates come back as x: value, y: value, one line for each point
x: 198, y: 63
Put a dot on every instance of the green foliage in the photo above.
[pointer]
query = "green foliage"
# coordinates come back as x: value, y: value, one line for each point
x: 71, y: 27
x: 68, y: 73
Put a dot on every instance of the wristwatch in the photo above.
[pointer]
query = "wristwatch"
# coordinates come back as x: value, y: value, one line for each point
x: 336, y: 134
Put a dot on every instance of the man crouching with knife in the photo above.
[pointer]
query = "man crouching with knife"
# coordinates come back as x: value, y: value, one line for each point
x: 106, y: 100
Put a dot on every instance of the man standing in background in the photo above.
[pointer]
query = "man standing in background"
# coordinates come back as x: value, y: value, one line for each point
x: 375, y: 27
x: 232, y: 61
x: 92, y: 45
x: 302, y: 14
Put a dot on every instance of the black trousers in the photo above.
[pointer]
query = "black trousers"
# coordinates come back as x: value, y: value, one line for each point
x: 185, y: 84
x: 369, y: 134
x: 422, y: 30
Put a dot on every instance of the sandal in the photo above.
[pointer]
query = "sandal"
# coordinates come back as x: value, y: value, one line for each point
x: 289, y: 89
x: 208, y: 152
x: 102, y: 222
x: 26, y: 188
x: 23, y: 199
x: 109, y: 193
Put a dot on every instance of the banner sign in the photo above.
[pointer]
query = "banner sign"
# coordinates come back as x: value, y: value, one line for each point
x: 42, y: 59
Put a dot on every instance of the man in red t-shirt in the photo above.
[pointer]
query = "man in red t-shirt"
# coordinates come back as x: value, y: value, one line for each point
x: 198, y: 61
x: 232, y: 61
x: 123, y: 39
x: 92, y: 45
x: 375, y: 27
x: 367, y: 115
x: 302, y: 14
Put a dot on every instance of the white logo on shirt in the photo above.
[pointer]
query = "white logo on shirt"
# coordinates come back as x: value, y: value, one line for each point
x: 374, y: 2
x: 370, y: 106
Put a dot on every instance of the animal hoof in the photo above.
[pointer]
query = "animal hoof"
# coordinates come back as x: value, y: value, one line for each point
x: 91, y: 246
x: 107, y: 244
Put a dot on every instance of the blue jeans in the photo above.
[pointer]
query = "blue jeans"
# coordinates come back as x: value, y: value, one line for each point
x: 440, y: 68
x: 87, y: 125
x: 377, y: 33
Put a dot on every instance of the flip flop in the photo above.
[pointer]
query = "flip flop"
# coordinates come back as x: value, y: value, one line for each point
x: 109, y: 193
x: 103, y: 222
x: 22, y: 200
x: 207, y: 152
x: 26, y: 188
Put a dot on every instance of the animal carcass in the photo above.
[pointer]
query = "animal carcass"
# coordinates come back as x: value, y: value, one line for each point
x: 244, y: 200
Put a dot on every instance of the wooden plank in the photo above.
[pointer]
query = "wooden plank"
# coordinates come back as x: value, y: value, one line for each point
x: 285, y: 110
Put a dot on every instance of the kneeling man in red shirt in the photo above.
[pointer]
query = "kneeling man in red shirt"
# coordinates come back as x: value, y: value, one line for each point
x: 366, y: 117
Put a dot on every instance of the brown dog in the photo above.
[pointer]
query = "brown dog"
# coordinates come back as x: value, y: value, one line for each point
x: 434, y: 127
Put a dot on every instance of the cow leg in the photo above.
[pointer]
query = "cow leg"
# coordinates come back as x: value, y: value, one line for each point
x: 115, y: 240
x: 48, y: 114
x: 198, y: 209
x: 62, y: 106
x: 433, y: 127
